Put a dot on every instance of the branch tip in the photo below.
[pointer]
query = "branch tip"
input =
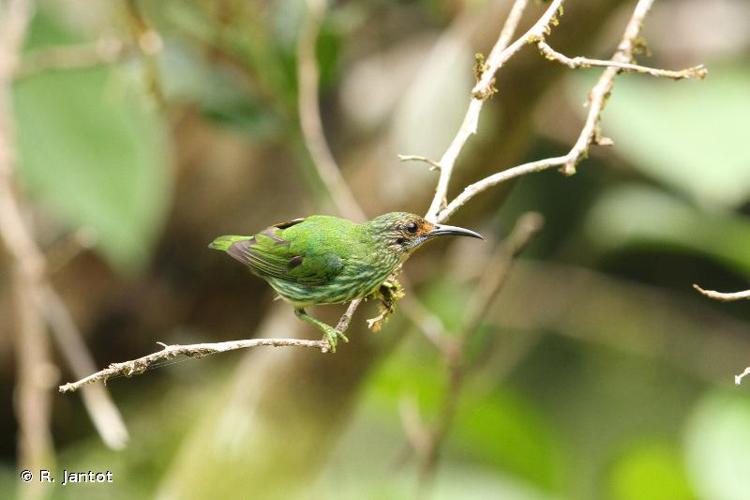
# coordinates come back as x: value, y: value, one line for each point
x: 434, y: 165
x: 723, y: 296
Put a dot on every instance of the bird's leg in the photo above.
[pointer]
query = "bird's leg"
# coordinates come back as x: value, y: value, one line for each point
x: 388, y: 293
x: 332, y: 335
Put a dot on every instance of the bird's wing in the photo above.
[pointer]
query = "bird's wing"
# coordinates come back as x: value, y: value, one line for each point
x: 270, y: 255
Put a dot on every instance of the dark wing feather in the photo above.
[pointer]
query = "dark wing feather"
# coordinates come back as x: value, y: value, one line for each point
x: 268, y: 254
x: 290, y: 223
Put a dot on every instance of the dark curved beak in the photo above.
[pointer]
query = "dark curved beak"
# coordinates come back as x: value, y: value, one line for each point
x: 446, y: 230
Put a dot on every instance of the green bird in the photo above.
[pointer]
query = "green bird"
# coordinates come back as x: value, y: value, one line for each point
x: 328, y: 260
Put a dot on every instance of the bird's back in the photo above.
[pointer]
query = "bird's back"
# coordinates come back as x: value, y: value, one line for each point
x: 316, y: 260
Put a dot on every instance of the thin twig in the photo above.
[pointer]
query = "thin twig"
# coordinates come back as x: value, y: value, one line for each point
x: 510, y: 26
x: 429, y: 324
x: 310, y: 119
x: 140, y: 365
x: 728, y: 297
x: 149, y: 44
x: 104, y: 414
x: 344, y: 321
x: 68, y: 248
x: 416, y: 433
x: 698, y: 72
x: 474, y: 189
x: 526, y: 227
x: 432, y: 163
x: 724, y: 296
x: 483, y: 89
x: 486, y: 293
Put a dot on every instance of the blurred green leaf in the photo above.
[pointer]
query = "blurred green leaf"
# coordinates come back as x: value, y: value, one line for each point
x: 97, y: 155
x: 690, y: 135
x: 506, y: 431
x: 718, y: 446
x: 644, y: 216
x: 500, y: 429
x: 652, y: 471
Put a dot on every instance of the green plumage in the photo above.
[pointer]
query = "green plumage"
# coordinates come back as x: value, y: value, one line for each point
x: 328, y: 260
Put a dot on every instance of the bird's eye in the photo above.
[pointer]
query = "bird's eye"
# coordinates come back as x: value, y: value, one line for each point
x: 411, y: 227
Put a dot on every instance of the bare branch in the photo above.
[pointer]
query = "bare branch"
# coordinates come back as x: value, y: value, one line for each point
x: 411, y: 421
x: 33, y: 366
x: 600, y: 93
x: 589, y: 133
x: 484, y: 88
x: 430, y: 325
x: 104, y: 414
x: 698, y: 72
x: 140, y: 365
x: 344, y: 321
x: 509, y: 27
x: 724, y: 296
x: 149, y: 44
x: 432, y: 163
x: 309, y: 115
x: 474, y: 189
x: 68, y: 248
x: 526, y: 227
x: 728, y: 297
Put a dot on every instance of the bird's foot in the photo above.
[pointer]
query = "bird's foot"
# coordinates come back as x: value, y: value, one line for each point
x: 388, y: 294
x: 331, y: 334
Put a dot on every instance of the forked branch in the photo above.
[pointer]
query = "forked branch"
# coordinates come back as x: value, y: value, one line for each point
x: 597, y: 100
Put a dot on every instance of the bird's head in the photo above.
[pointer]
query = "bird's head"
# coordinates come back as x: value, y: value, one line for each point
x: 402, y: 232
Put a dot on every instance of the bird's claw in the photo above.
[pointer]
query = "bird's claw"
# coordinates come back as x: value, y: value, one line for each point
x: 375, y: 323
x: 389, y: 293
x: 332, y: 336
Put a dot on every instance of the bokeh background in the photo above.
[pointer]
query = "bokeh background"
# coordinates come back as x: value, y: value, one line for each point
x: 599, y: 373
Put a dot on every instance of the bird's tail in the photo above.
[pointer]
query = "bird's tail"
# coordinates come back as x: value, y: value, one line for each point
x: 225, y: 242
